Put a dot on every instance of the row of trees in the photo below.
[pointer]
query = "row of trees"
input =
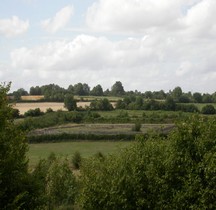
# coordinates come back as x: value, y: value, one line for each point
x: 53, y: 92
x: 169, y: 104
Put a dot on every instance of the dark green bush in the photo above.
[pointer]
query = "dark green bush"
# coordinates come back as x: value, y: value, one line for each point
x: 156, y: 173
x: 33, y: 113
x: 208, y: 109
x: 76, y: 160
x: 137, y: 126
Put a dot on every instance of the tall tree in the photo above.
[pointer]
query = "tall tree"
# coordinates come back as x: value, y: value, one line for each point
x: 81, y: 89
x: 70, y: 102
x: 117, y: 89
x: 97, y: 91
x: 35, y: 91
x: 197, y: 97
x: 176, y: 93
x: 20, y: 92
x: 13, y: 162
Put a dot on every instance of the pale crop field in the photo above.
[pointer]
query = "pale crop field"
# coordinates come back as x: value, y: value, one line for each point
x: 24, y: 107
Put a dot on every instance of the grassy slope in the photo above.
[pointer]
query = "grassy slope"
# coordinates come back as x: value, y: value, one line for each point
x: 67, y: 149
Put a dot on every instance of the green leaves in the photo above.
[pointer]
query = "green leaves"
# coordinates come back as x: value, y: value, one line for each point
x: 156, y: 173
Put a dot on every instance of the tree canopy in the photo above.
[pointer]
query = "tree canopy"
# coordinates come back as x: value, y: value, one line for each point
x: 13, y: 161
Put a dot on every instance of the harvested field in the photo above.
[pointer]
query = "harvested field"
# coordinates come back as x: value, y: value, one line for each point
x: 23, y: 107
x: 32, y: 98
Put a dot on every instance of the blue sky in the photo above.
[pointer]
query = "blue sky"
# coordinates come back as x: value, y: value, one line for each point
x: 145, y: 44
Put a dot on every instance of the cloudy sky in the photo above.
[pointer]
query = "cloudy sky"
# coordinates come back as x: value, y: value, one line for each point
x: 145, y: 44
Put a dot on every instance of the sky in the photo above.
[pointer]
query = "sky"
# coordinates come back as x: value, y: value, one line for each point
x: 146, y: 44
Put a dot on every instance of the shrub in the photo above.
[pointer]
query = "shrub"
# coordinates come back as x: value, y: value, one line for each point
x: 100, y: 156
x: 56, y: 181
x: 156, y: 173
x: 48, y: 110
x: 33, y: 113
x: 76, y: 160
x: 208, y: 109
x: 137, y: 126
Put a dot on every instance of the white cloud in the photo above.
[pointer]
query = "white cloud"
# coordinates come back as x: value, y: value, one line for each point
x: 135, y: 16
x: 200, y: 19
x: 171, y: 43
x: 146, y: 63
x: 59, y: 21
x: 13, y: 27
x: 85, y: 52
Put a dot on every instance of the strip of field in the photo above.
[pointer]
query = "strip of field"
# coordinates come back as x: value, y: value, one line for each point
x: 101, y: 129
x: 43, y: 106
x: 67, y: 149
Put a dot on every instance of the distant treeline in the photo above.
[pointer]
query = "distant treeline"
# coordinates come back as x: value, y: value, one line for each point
x: 55, y: 93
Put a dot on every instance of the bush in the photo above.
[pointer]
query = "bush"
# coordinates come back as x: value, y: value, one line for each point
x: 33, y: 113
x: 156, y: 173
x: 137, y: 126
x: 48, y: 110
x: 76, y: 160
x: 100, y: 156
x: 208, y: 109
x: 57, y: 182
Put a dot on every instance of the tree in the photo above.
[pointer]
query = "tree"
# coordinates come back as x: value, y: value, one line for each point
x: 197, y: 97
x: 57, y: 182
x: 20, y: 92
x: 207, y: 98
x: 70, y: 89
x: 117, y: 89
x: 35, y: 91
x: 148, y: 94
x: 102, y: 104
x: 183, y: 99
x: 33, y: 113
x: 14, y: 178
x: 81, y: 89
x: 159, y: 94
x: 97, y: 91
x: 70, y: 102
x: 53, y: 92
x: 170, y: 104
x: 154, y: 173
x: 176, y: 93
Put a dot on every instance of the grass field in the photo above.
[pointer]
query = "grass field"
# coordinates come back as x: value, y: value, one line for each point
x: 67, y: 149
x: 95, y: 128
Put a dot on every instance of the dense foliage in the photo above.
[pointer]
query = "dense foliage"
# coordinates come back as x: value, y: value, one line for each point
x: 177, y: 171
x: 18, y: 190
x: 58, y: 185
x: 49, y: 186
x: 156, y: 173
x: 138, y: 103
x: 103, y: 105
x: 70, y: 102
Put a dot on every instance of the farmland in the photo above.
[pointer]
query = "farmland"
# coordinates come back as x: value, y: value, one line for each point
x: 67, y: 149
x: 43, y: 106
x: 111, y: 156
